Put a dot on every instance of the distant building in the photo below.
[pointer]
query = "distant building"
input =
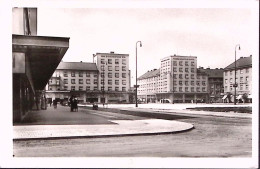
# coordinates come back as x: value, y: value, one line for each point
x: 215, y: 84
x: 107, y: 80
x: 34, y: 60
x: 177, y: 80
x: 243, y: 80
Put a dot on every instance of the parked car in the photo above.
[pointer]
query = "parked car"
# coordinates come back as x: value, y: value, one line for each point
x: 165, y: 101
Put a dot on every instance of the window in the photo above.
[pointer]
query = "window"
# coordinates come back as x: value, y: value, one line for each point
x: 246, y: 87
x: 87, y: 74
x: 186, y: 69
x: 247, y: 79
x: 117, y: 61
x: 231, y: 80
x: 198, y: 89
x: 110, y: 75
x: 186, y: 89
x: 175, y: 76
x: 95, y: 81
x: 124, y: 82
x: 174, y: 63
x: 65, y: 74
x: 241, y: 79
x: 123, y: 68
x: 226, y: 81
x: 180, y: 89
x: 50, y: 88
x: 102, y: 88
x: 186, y: 83
x: 241, y: 71
x: 116, y: 88
x: 123, y: 75
x: 87, y: 81
x: 102, y: 61
x: 109, y: 68
x: 102, y: 81
x: 109, y: 88
x: 102, y: 75
x: 186, y: 63
x: 241, y: 87
x: 180, y: 82
x: 88, y: 88
x: 117, y: 75
x: 117, y: 82
x: 180, y: 63
x: 198, y: 77
x: 203, y: 89
x: 109, y: 61
x: 203, y: 83
x: 180, y: 69
x: 110, y: 82
x: 123, y: 61
x: 80, y: 74
x: 230, y: 73
x: 65, y: 81
x: 72, y: 74
x: 80, y: 87
x: 192, y: 89
x: 192, y: 76
x: 192, y: 63
x: 186, y: 76
x: 95, y: 88
x: 80, y: 81
x: 198, y: 83
x: 72, y: 87
x: 192, y: 83
x: 117, y: 68
x: 95, y: 75
x: 124, y: 89
x: 72, y: 81
x: 192, y: 70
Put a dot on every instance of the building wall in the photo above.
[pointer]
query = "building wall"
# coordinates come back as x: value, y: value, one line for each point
x: 244, y: 80
x: 115, y: 68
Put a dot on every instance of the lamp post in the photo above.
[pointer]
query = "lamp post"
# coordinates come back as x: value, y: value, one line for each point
x: 136, y: 105
x: 235, y: 85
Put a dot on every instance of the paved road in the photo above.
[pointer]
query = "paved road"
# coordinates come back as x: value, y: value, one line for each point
x: 212, y: 137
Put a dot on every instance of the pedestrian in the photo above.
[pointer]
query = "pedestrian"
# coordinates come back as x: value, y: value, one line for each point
x: 50, y: 101
x: 71, y: 103
x: 75, y: 104
x: 55, y: 104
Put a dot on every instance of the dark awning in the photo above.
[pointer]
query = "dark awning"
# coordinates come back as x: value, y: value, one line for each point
x: 44, y: 55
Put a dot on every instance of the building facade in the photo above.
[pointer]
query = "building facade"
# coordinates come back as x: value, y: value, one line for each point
x: 177, y: 80
x: 34, y: 60
x: 243, y: 78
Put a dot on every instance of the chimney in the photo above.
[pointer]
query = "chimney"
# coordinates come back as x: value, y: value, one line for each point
x: 112, y: 52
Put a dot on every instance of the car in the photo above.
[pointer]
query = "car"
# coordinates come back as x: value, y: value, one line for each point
x: 165, y: 101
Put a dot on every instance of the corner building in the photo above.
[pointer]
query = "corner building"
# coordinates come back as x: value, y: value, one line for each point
x: 178, y: 81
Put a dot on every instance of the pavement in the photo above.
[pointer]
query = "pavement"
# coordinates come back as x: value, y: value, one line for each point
x: 61, y: 123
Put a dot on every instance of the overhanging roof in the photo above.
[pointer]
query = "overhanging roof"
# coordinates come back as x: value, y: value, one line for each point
x: 77, y: 66
x: 44, y: 55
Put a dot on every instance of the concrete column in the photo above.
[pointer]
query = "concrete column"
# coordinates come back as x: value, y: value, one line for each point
x: 195, y: 98
x: 183, y: 98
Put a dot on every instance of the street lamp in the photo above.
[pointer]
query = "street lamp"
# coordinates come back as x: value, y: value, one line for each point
x: 136, y: 73
x: 235, y: 85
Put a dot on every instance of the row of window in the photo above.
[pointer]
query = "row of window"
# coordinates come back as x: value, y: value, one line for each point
x: 241, y: 71
x: 241, y: 87
x: 88, y: 81
x: 81, y: 88
x: 175, y: 63
x: 73, y: 74
x: 181, y: 89
x: 110, y: 61
x: 241, y: 79
x: 110, y: 75
x: 110, y: 68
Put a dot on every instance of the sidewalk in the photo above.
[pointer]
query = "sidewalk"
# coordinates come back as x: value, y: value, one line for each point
x: 49, y: 124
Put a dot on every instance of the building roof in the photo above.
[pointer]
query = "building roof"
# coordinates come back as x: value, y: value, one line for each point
x: 214, y: 73
x: 242, y: 62
x: 151, y: 73
x: 77, y: 66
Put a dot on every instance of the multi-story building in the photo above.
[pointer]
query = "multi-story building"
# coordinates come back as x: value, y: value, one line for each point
x: 74, y: 78
x: 105, y: 81
x: 215, y: 84
x: 243, y: 80
x: 178, y: 81
x: 34, y: 60
x: 114, y: 76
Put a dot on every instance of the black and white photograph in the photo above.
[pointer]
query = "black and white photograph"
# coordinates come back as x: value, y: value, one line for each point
x: 131, y: 84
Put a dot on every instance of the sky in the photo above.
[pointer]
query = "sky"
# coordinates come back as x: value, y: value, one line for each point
x: 208, y: 33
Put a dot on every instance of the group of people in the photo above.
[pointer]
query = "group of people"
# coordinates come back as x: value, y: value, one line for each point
x: 73, y: 102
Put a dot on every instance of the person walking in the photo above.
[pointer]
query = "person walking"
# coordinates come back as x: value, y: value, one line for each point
x: 71, y: 103
x: 50, y: 102
x: 55, y: 104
